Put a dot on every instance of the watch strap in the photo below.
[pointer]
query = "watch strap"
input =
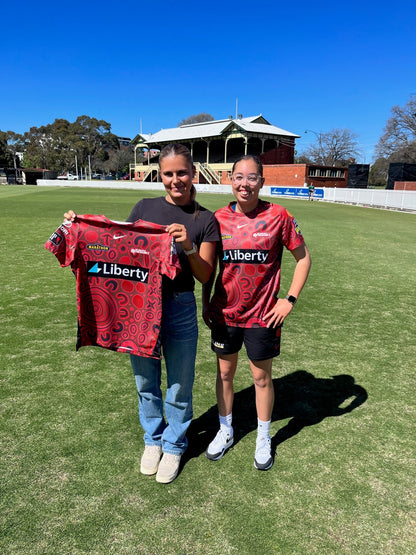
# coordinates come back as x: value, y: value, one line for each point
x: 191, y: 251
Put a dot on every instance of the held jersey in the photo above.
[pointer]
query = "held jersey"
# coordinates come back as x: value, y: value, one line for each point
x: 249, y: 275
x: 118, y: 268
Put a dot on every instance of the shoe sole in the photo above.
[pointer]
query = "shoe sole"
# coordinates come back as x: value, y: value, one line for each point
x: 166, y: 479
x: 265, y: 466
x: 217, y: 456
x: 148, y: 471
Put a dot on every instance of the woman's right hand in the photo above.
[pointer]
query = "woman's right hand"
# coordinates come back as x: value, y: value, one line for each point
x: 70, y: 216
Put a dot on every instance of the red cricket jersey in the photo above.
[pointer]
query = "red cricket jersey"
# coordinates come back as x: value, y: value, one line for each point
x: 249, y: 278
x: 118, y: 268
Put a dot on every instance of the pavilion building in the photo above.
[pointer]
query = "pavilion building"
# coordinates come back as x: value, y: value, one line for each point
x: 215, y: 145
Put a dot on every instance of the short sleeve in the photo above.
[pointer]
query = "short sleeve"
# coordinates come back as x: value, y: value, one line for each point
x: 169, y: 260
x: 292, y: 235
x: 62, y: 243
x: 211, y: 231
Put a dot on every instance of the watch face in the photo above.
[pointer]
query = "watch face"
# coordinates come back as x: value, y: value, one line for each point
x: 291, y: 299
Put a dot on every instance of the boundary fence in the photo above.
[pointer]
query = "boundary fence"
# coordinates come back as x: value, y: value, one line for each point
x: 377, y: 198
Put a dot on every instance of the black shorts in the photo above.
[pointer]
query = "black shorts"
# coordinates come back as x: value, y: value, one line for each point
x: 260, y: 343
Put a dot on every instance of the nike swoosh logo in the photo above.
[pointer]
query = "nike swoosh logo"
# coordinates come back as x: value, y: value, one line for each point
x: 119, y: 236
x: 242, y: 225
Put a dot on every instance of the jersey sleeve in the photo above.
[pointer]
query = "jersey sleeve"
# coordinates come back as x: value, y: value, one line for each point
x: 62, y: 243
x: 292, y: 236
x: 169, y: 260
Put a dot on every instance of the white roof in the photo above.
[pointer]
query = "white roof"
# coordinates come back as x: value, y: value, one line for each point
x: 215, y: 129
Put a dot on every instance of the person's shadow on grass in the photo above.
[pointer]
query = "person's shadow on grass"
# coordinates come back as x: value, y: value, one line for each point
x: 300, y: 396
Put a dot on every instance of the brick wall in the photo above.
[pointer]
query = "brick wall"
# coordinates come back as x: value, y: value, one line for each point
x: 280, y: 155
x: 296, y: 175
x: 405, y: 185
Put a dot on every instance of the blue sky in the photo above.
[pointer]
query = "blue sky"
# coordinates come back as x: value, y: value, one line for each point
x: 146, y: 65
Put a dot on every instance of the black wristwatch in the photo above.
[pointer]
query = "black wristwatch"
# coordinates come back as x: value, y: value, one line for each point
x: 291, y: 299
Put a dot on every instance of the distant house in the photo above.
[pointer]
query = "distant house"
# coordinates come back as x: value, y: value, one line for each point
x: 124, y: 141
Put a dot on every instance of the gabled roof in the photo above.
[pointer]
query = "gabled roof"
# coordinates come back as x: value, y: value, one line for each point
x: 216, y: 128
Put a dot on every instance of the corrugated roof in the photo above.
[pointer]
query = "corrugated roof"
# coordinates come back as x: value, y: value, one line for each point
x: 215, y: 129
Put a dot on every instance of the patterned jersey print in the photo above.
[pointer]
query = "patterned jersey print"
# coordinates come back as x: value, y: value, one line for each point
x: 118, y: 268
x: 249, y: 278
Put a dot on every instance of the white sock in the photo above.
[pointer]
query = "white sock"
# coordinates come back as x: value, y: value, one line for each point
x: 226, y: 423
x: 263, y: 428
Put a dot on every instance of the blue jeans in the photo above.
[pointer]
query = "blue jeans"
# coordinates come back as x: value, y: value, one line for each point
x: 179, y: 337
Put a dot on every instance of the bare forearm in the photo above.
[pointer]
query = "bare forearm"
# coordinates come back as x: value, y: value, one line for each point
x: 300, y: 274
x: 201, y: 269
x: 202, y: 263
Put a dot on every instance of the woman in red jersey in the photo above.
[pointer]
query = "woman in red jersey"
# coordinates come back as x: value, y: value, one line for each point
x: 245, y: 307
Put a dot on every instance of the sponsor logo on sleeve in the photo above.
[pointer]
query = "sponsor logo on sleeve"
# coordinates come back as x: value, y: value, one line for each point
x: 56, y: 238
x: 64, y: 227
x: 297, y: 228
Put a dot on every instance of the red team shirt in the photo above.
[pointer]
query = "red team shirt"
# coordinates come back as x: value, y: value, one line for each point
x: 252, y: 247
x: 118, y: 267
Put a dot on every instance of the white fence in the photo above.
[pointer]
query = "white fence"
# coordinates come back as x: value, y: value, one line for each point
x: 378, y: 198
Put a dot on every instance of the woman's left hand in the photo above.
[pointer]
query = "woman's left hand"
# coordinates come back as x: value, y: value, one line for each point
x: 179, y: 233
x: 278, y: 313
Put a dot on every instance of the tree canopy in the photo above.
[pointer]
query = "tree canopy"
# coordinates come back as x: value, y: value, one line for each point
x: 398, y: 141
x: 55, y: 146
x: 337, y: 147
x: 10, y: 146
x: 5, y: 155
x: 196, y: 118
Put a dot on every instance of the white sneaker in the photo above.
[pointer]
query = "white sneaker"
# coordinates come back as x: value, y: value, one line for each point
x: 168, y: 468
x: 219, y: 445
x: 263, y: 459
x: 150, y: 459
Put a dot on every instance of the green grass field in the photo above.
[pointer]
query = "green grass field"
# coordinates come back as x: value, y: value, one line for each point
x: 343, y: 481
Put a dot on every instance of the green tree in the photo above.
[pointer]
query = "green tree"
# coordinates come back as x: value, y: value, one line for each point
x: 62, y: 145
x: 38, y: 149
x: 379, y: 173
x: 5, y: 155
x: 93, y: 138
x: 11, y: 145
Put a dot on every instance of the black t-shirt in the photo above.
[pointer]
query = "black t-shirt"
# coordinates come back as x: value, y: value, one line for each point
x: 200, y: 224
